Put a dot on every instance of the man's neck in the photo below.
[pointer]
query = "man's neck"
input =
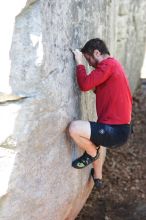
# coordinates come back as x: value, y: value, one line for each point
x: 103, y: 57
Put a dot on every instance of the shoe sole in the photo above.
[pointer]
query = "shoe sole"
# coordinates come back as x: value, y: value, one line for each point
x: 81, y: 165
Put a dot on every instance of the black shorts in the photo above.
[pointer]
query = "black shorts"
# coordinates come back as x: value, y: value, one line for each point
x: 109, y: 135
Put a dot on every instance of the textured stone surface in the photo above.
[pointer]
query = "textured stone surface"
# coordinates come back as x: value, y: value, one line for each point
x: 42, y: 184
x: 131, y: 37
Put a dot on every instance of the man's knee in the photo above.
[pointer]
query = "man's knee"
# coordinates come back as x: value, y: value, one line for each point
x: 80, y: 128
x: 73, y: 128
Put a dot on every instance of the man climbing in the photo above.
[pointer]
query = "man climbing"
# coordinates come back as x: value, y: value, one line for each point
x: 113, y: 105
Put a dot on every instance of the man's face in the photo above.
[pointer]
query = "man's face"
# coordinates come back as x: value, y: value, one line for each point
x: 91, y: 59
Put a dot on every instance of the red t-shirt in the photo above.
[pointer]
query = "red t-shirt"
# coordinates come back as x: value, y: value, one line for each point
x: 113, y: 96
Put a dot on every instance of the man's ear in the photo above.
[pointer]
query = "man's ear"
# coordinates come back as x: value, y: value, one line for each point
x: 96, y: 53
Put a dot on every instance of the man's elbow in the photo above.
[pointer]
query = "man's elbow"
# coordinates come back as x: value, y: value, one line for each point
x: 84, y: 88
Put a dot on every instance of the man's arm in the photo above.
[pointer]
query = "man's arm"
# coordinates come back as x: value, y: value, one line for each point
x: 95, y: 78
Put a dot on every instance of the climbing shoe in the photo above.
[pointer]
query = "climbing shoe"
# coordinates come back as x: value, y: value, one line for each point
x: 84, y: 160
x: 97, y: 182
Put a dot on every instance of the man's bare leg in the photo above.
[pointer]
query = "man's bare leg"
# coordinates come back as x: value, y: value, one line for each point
x: 98, y: 164
x: 80, y: 132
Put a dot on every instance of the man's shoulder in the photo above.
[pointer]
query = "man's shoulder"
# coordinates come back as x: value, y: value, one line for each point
x: 109, y: 62
x: 117, y: 67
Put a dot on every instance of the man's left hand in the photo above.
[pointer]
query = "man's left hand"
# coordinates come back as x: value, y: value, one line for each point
x: 78, y: 56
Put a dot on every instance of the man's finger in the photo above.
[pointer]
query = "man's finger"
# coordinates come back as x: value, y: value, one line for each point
x: 74, y: 50
x: 71, y: 49
x: 77, y: 50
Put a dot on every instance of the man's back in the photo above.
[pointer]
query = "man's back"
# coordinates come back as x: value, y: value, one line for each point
x: 113, y: 96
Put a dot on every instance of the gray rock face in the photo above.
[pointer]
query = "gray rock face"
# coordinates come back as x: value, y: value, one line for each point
x: 131, y: 37
x: 44, y: 98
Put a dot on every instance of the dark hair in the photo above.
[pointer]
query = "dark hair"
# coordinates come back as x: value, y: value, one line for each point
x: 95, y: 44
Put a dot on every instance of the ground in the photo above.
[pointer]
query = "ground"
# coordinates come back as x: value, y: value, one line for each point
x: 123, y: 196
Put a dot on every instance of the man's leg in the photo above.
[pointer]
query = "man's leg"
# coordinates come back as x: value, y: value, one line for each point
x: 98, y: 164
x: 80, y: 132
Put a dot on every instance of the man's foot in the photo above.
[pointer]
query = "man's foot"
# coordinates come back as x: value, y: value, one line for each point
x: 97, y: 182
x: 84, y: 160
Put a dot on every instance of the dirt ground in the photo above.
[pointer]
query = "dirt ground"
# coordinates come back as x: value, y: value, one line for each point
x: 123, y: 196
